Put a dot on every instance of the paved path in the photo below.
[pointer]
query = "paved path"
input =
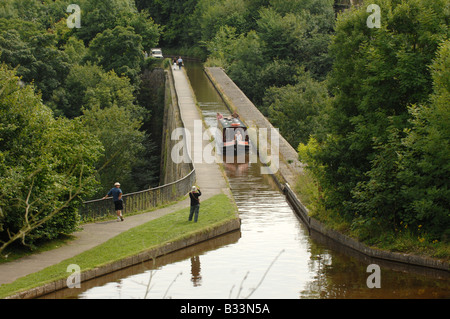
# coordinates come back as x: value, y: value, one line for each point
x: 209, y: 178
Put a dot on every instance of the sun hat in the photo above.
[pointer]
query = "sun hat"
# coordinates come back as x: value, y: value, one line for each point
x: 117, y: 184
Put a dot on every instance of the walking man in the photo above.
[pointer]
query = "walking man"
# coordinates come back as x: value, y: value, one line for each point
x: 195, y: 203
x: 116, y: 193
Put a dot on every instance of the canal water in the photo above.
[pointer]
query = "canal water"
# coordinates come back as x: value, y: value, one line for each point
x: 272, y: 257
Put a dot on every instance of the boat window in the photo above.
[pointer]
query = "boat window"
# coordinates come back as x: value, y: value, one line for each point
x: 229, y: 134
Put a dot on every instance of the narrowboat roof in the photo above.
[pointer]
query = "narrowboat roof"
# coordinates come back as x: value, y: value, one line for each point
x: 231, y: 122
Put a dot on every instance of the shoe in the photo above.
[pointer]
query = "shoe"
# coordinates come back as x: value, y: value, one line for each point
x: 121, y: 218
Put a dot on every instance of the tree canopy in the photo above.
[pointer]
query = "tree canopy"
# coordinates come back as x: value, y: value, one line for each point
x: 71, y: 121
x: 47, y: 165
x: 367, y: 156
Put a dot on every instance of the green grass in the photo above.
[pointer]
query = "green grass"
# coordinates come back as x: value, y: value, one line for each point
x: 306, y: 190
x: 175, y: 226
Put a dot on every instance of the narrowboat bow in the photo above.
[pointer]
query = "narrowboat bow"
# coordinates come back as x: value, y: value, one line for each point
x: 234, y: 135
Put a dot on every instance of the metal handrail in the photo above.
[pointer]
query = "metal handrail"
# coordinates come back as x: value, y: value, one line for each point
x: 143, y: 191
x: 146, y: 199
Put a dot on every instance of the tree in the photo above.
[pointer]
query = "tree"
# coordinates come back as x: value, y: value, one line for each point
x: 111, y: 90
x: 241, y: 56
x: 210, y: 16
x: 35, y: 54
x: 46, y: 166
x: 75, y: 50
x: 101, y: 15
x: 118, y: 130
x: 287, y: 36
x: 89, y: 85
x: 44, y: 12
x: 16, y: 52
x: 70, y: 99
x: 247, y: 64
x: 50, y: 67
x: 408, y: 181
x: 299, y: 32
x: 295, y: 108
x: 174, y: 16
x: 221, y: 47
x: 376, y: 76
x: 144, y: 25
x: 282, y: 34
x: 426, y: 161
x: 119, y: 49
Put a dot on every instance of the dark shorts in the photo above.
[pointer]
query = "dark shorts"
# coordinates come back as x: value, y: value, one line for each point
x: 118, y: 204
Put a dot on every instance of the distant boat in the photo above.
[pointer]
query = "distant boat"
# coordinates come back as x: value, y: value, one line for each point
x: 234, y: 134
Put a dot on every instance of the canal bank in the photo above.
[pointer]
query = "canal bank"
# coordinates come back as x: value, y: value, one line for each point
x: 290, y: 168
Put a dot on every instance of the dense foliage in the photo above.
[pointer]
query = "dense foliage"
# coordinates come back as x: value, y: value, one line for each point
x: 368, y: 108
x: 46, y: 165
x: 382, y: 156
x: 71, y: 122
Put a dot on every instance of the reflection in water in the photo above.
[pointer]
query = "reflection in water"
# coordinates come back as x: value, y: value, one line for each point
x: 195, y: 271
x: 311, y: 265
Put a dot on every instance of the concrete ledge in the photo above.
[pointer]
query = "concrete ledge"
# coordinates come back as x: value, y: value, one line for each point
x: 164, y: 249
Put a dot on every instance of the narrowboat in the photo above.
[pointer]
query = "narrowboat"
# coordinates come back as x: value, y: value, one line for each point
x: 234, y: 135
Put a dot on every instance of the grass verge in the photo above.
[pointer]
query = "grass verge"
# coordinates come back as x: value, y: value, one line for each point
x: 381, y: 238
x: 175, y: 226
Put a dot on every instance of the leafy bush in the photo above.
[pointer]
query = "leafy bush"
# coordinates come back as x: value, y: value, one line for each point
x: 46, y: 165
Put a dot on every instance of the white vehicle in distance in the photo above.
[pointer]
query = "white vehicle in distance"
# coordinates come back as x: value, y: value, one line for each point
x: 156, y: 53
